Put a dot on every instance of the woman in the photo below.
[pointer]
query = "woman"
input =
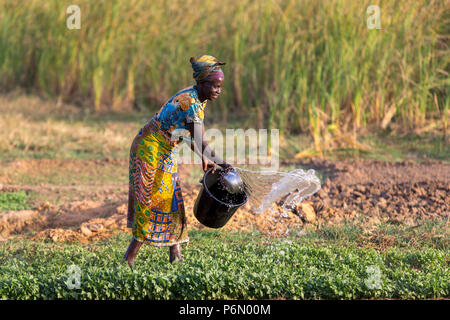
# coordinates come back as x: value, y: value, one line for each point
x: 155, y: 204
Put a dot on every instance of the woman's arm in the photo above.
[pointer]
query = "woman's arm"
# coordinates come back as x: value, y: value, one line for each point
x: 201, y: 147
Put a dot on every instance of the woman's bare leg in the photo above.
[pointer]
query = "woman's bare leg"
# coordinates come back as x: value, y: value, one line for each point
x: 132, y: 251
x: 175, y: 252
x: 130, y: 213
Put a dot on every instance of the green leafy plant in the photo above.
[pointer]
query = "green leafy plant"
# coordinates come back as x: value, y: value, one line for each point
x: 13, y: 201
x: 218, y: 265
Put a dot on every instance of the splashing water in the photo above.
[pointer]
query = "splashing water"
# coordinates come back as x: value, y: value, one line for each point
x: 265, y: 188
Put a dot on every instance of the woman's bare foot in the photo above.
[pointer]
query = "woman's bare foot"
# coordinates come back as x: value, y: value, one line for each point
x: 132, y: 251
x: 175, y: 252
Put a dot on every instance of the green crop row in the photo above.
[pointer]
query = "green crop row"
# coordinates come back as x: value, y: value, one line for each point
x: 221, y: 266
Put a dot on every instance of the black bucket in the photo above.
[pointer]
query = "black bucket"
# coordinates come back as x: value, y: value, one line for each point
x: 214, y: 205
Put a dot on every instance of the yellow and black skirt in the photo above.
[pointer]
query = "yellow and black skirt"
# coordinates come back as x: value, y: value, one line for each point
x: 157, y: 215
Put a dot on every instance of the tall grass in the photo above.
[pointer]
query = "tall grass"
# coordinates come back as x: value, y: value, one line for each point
x: 296, y: 65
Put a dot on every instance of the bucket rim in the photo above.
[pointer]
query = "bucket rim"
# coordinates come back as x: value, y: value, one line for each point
x: 220, y: 201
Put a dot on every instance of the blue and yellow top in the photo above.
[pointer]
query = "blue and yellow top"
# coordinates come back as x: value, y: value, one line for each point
x: 182, y: 108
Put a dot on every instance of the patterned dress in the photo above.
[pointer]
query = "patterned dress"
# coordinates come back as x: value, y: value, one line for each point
x: 157, y: 214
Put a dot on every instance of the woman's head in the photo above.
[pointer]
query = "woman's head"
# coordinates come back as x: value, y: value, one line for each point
x: 210, y: 89
x: 209, y: 76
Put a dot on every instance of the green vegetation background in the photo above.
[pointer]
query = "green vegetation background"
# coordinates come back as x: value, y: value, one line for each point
x: 295, y: 65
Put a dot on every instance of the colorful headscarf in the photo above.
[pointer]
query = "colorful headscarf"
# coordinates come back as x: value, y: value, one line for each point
x: 206, y: 68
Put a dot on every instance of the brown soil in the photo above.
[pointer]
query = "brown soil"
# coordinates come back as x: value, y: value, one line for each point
x: 363, y: 191
x: 374, y: 191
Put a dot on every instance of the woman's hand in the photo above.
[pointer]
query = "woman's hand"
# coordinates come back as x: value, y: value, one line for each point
x: 207, y: 164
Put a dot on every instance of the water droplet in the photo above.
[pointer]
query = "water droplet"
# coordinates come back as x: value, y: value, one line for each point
x: 264, y: 188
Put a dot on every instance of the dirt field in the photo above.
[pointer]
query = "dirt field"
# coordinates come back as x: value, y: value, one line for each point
x: 365, y: 192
